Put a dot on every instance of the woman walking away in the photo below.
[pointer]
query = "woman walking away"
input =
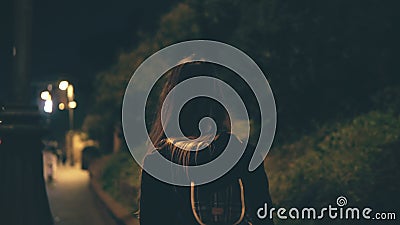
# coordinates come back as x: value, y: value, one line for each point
x: 233, y: 198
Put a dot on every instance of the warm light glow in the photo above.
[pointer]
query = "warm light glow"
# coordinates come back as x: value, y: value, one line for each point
x: 45, y: 95
x: 70, y: 92
x: 72, y: 105
x: 63, y: 85
x: 48, y: 106
x: 61, y: 106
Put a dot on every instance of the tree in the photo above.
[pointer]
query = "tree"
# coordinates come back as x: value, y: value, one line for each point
x: 323, y: 59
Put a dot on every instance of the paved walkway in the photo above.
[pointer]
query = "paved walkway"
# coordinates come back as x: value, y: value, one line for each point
x: 71, y: 200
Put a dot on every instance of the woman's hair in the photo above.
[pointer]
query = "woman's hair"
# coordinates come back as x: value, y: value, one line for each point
x: 194, y: 110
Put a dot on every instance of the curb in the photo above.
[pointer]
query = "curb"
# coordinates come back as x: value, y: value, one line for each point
x: 119, y: 213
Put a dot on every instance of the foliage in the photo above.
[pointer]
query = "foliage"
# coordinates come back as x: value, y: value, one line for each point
x: 121, y: 178
x: 110, y: 85
x: 341, y: 50
x: 332, y: 68
x: 357, y: 159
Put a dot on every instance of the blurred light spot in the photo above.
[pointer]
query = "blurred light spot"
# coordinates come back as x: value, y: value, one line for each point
x: 63, y: 85
x: 45, y: 95
x: 48, y: 106
x: 61, y: 106
x: 70, y: 92
x: 72, y: 104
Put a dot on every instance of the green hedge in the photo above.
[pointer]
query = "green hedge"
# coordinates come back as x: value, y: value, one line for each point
x: 121, y: 179
x: 357, y: 159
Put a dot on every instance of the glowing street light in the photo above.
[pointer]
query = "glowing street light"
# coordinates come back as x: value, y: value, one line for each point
x: 72, y: 105
x: 61, y: 106
x: 70, y: 92
x: 63, y: 85
x: 45, y: 95
x: 48, y: 106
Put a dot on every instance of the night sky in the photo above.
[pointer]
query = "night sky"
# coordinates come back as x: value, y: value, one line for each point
x: 77, y: 39
x: 83, y: 37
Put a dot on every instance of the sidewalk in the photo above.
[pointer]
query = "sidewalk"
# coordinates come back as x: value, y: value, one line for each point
x: 71, y: 200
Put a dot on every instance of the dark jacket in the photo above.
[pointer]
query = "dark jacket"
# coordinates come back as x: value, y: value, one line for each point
x: 162, y: 203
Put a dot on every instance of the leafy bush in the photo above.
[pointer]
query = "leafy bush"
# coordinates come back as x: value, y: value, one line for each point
x: 356, y: 159
x: 121, y: 179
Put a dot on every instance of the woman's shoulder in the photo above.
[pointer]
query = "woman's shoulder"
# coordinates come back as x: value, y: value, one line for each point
x: 171, y: 148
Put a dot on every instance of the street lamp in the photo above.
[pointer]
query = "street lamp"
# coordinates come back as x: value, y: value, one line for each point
x: 70, y: 105
x: 48, y: 104
x: 61, y: 106
x: 63, y: 85
x: 45, y: 95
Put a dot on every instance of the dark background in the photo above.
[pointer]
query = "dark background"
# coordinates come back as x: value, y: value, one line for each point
x: 323, y: 59
x: 332, y: 65
x: 74, y: 40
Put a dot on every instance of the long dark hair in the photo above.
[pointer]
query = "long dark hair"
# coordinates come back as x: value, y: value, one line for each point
x: 194, y: 110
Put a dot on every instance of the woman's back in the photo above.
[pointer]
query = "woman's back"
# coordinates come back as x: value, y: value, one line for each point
x: 233, y: 198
